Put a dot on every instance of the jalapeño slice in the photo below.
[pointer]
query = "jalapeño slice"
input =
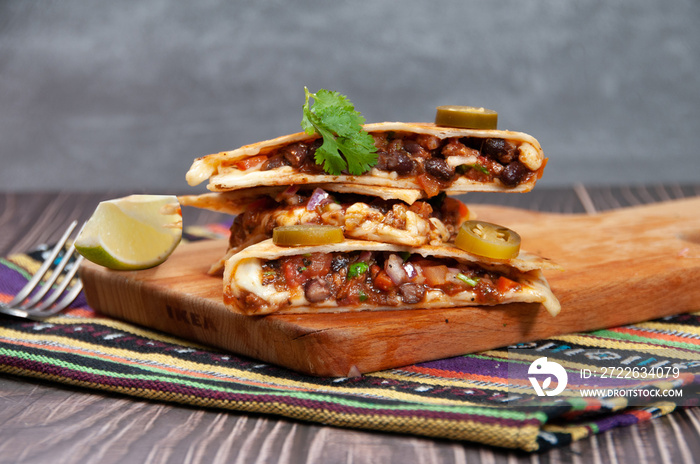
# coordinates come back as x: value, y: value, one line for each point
x: 468, y: 117
x: 307, y: 234
x: 488, y: 240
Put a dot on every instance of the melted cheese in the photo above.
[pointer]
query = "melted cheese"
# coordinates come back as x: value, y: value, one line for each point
x: 538, y: 285
x: 248, y: 277
x: 530, y: 157
x: 294, y: 216
x: 367, y: 223
x: 455, y: 161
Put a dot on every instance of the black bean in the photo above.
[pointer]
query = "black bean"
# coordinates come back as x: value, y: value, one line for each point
x: 513, y: 173
x: 411, y: 293
x: 273, y: 163
x: 339, y: 262
x: 317, y: 289
x: 382, y: 160
x: 395, y: 161
x: 313, y: 146
x: 472, y: 142
x: 499, y: 149
x: 491, y: 147
x: 439, y: 168
x: 412, y: 147
x: 403, y: 164
x: 295, y: 154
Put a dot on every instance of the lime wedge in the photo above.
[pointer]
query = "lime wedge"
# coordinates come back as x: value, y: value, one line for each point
x: 134, y: 232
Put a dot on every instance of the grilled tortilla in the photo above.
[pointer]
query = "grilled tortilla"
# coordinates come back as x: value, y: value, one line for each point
x: 358, y: 275
x: 414, y: 156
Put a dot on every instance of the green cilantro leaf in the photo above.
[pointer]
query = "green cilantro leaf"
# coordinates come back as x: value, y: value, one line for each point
x: 346, y: 145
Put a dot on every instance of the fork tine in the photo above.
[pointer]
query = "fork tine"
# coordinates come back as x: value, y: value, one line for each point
x: 36, y: 308
x: 72, y: 294
x: 60, y: 306
x: 57, y: 271
x: 48, y: 285
x: 61, y: 288
x: 29, y: 287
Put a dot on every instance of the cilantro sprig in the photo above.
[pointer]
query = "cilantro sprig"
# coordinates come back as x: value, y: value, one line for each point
x: 346, y: 145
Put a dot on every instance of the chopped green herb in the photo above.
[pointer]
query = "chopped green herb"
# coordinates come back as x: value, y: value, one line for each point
x: 467, y: 280
x: 363, y: 296
x: 301, y: 269
x: 479, y: 167
x: 357, y: 269
x: 405, y: 255
x: 346, y: 145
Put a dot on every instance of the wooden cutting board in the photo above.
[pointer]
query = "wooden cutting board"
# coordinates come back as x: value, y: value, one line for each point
x: 621, y: 267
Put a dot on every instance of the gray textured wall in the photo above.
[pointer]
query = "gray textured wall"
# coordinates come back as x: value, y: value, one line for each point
x: 125, y: 94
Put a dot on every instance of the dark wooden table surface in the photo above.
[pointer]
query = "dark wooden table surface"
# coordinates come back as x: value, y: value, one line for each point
x: 44, y: 422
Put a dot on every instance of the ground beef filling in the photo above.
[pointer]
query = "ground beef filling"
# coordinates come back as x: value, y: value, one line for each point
x: 421, y: 156
x: 259, y: 217
x: 379, y: 279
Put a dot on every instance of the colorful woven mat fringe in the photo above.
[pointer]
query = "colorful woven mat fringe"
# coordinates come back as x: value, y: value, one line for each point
x: 463, y: 398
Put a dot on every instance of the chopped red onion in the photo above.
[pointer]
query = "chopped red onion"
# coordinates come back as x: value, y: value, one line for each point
x: 411, y: 272
x: 291, y: 190
x: 318, y: 197
x: 394, y: 268
x: 287, y: 193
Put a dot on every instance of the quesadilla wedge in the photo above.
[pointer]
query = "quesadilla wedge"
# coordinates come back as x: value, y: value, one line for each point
x: 420, y: 156
x: 363, y: 217
x: 357, y: 275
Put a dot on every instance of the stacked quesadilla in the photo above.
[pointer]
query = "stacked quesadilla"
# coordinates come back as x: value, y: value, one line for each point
x: 380, y: 239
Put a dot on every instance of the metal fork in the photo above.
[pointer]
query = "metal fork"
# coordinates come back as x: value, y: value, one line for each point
x: 39, y: 306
